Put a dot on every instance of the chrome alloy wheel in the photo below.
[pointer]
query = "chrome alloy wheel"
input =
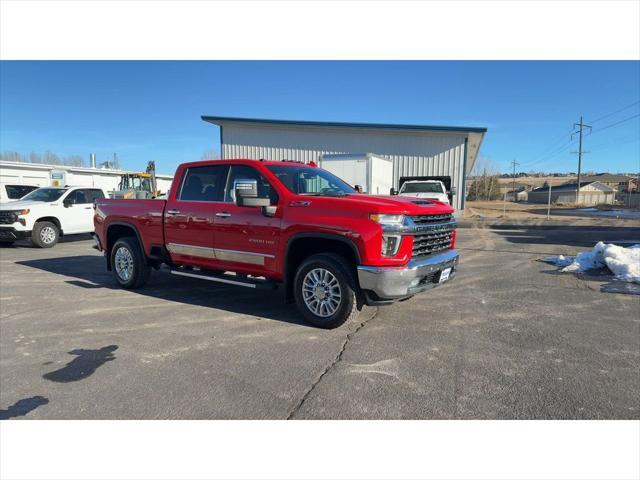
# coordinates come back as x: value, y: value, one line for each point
x: 321, y: 292
x: 47, y: 235
x: 123, y: 263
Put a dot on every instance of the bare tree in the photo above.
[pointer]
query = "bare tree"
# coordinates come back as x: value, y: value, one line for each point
x: 485, y: 181
x: 73, y: 161
x: 9, y: 156
x: 210, y: 154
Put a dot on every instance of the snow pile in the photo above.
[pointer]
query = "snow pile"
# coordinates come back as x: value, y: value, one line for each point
x: 624, y: 263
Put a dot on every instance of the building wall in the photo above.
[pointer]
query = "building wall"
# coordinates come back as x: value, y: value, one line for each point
x: 413, y: 153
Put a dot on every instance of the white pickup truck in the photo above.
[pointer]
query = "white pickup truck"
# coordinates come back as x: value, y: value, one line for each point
x: 424, y: 189
x: 47, y: 213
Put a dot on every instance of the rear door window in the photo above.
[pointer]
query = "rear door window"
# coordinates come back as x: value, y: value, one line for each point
x: 204, y: 184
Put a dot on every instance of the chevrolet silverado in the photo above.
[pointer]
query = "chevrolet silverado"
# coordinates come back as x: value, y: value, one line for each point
x: 272, y: 224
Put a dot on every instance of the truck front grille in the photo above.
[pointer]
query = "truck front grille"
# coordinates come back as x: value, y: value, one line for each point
x: 434, y: 233
x: 426, y: 219
x: 8, y: 217
x: 428, y: 243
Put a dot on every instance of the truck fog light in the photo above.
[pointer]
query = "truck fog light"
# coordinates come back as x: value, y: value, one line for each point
x: 390, y: 245
x: 414, y: 282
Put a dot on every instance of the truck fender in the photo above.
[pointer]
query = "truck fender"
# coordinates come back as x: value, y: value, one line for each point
x: 320, y: 235
x: 107, y: 250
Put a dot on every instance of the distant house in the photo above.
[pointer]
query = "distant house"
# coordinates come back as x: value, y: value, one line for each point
x: 591, y: 193
x: 510, y: 186
x: 620, y: 183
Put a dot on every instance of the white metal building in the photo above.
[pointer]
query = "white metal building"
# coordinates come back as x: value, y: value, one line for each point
x: 416, y: 150
x: 43, y: 175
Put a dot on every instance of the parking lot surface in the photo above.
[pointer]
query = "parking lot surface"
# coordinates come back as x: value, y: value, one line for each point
x: 508, y: 338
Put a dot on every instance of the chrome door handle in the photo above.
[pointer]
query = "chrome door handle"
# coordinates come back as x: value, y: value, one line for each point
x: 173, y: 212
x: 223, y: 214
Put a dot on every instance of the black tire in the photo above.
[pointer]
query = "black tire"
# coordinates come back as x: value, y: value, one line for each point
x: 45, y: 234
x: 348, y: 305
x: 6, y: 243
x: 139, y: 272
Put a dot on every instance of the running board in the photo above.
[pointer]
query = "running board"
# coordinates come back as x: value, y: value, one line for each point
x: 222, y: 278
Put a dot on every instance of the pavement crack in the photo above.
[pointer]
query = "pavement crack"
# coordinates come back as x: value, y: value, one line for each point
x: 332, y: 364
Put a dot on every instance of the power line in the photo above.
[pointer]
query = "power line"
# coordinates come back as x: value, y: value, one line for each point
x: 550, y: 150
x: 616, y: 123
x: 611, y: 144
x: 550, y: 156
x: 613, y: 113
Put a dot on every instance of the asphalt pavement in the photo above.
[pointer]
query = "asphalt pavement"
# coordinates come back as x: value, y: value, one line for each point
x: 508, y: 338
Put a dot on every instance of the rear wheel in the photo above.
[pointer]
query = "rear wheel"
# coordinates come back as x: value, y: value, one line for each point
x: 325, y: 290
x: 45, y: 234
x: 129, y: 263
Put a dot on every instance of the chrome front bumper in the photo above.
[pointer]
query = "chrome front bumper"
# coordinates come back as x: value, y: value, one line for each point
x: 389, y: 283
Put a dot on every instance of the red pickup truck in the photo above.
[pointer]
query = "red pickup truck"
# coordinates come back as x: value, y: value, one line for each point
x: 268, y: 224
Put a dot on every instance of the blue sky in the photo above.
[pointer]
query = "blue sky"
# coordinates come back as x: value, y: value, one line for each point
x: 151, y: 110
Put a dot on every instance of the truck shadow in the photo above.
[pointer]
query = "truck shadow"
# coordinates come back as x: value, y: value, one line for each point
x: 80, y: 237
x: 90, y: 272
x: 84, y: 365
x: 22, y: 407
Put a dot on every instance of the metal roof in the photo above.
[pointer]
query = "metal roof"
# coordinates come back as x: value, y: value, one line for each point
x: 607, y: 177
x: 391, y: 126
x: 572, y: 187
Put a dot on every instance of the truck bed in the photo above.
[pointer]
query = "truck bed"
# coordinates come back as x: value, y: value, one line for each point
x: 145, y: 216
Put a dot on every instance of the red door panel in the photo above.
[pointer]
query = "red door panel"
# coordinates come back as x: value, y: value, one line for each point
x: 190, y: 216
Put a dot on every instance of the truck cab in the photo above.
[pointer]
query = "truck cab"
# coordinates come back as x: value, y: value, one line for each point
x: 268, y: 224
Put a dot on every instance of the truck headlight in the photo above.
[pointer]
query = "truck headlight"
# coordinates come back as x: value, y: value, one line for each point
x: 390, y: 245
x: 387, y: 219
x: 23, y: 212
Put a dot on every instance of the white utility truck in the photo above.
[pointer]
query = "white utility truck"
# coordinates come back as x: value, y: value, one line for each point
x: 366, y: 172
x: 424, y: 189
x: 47, y: 213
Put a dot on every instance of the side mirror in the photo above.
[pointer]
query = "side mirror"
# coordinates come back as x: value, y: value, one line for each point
x: 358, y: 188
x: 393, y: 191
x: 246, y: 193
x: 68, y: 202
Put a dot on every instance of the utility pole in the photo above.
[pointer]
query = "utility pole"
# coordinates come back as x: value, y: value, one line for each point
x: 581, y: 127
x: 513, y: 189
x: 549, y: 201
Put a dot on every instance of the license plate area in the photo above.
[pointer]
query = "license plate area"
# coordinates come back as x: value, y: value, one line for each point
x: 444, y: 275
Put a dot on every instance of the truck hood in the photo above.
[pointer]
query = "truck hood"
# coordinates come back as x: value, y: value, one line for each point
x: 385, y: 204
x: 21, y: 204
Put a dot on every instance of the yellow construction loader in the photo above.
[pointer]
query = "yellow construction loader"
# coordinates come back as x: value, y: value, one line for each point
x: 138, y: 185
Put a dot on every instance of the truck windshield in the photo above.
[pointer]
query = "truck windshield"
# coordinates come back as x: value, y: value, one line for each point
x: 422, y: 187
x: 45, y: 194
x: 305, y: 180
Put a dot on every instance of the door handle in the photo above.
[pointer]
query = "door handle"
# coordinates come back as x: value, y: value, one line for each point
x: 223, y: 214
x: 173, y: 212
x: 88, y: 208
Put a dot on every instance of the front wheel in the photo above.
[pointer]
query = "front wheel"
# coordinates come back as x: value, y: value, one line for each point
x: 45, y: 234
x: 129, y: 264
x: 325, y: 290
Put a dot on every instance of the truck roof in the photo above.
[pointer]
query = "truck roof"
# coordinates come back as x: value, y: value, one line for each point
x: 249, y: 161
